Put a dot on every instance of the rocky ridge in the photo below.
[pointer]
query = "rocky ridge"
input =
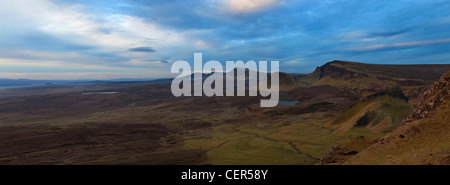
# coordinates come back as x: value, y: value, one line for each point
x: 432, y: 98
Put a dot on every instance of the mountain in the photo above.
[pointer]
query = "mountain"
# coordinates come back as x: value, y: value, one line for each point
x: 340, y: 86
x: 350, y: 70
x: 366, y: 79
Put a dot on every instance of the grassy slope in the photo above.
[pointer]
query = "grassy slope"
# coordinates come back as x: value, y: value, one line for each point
x: 382, y: 114
x: 425, y: 141
x: 290, y: 140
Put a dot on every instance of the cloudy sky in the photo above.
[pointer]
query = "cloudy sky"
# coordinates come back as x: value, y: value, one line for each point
x: 87, y: 39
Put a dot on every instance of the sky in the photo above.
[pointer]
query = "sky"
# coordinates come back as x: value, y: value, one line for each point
x: 89, y: 39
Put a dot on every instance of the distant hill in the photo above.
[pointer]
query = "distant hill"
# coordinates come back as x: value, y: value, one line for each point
x: 15, y: 83
x: 22, y: 82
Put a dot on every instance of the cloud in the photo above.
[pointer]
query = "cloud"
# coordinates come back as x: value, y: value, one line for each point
x: 83, y: 75
x: 21, y: 65
x: 117, y: 35
x: 384, y: 34
x: 142, y: 49
x: 74, y: 35
x: 292, y: 63
x: 72, y: 26
x: 245, y: 6
x: 401, y: 45
x: 138, y: 62
x: 373, y: 35
x: 53, y: 69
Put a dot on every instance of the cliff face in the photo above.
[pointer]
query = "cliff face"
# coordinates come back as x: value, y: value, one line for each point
x: 367, y: 79
x: 432, y: 98
x: 332, y: 70
x: 408, y: 75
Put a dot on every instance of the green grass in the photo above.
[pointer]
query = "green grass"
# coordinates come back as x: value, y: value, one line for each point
x: 375, y: 111
x: 249, y: 144
x: 255, y: 150
x: 426, y: 141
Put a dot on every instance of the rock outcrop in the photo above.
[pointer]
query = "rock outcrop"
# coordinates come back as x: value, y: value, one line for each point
x: 432, y: 98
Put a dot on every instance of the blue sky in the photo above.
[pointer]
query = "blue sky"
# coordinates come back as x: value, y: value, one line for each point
x: 87, y: 39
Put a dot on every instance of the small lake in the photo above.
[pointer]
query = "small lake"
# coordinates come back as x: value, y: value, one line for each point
x: 287, y: 102
x: 111, y: 92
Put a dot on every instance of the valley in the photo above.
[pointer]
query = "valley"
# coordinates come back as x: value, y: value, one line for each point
x: 143, y: 123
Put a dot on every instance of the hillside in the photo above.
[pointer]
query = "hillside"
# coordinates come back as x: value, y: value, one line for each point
x: 423, y: 138
x: 349, y: 70
x: 366, y: 79
x: 379, y: 112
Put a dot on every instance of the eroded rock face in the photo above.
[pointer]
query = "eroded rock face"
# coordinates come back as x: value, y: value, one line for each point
x: 432, y: 98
